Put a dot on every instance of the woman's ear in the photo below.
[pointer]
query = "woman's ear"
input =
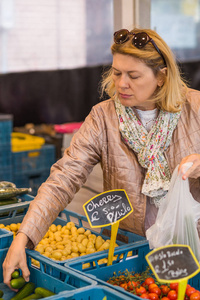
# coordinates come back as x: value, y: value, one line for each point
x: 161, y: 76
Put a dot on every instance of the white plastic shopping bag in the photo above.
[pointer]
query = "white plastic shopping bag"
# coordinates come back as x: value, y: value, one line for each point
x: 177, y: 218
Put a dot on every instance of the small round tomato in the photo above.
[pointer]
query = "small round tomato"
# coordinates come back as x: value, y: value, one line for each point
x: 165, y: 289
x: 172, y: 295
x: 149, y: 281
x: 195, y: 296
x: 132, y: 284
x: 145, y: 296
x: 165, y: 298
x: 140, y: 290
x: 152, y: 285
x: 153, y: 296
x: 189, y: 291
x: 156, y: 290
x: 123, y: 285
x: 174, y: 286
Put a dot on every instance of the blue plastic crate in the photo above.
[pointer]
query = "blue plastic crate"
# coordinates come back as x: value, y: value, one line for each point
x: 130, y: 257
x: 6, y: 127
x: 33, y: 181
x: 11, y: 213
x: 5, y: 162
x: 79, y: 220
x: 6, y: 238
x: 38, y: 275
x: 33, y: 162
x: 93, y: 293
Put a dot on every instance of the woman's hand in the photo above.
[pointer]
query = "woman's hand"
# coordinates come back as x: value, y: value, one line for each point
x: 16, y: 259
x: 194, y: 170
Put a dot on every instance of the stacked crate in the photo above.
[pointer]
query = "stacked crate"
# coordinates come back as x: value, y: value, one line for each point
x: 31, y: 168
x: 6, y: 126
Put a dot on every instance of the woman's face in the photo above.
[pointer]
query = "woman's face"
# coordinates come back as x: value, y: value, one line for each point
x: 134, y: 81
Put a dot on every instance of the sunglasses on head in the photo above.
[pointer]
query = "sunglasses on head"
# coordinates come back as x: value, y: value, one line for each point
x: 139, y: 40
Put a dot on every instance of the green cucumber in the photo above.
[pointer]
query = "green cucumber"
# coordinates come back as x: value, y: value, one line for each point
x: 25, y: 291
x: 1, y: 293
x: 32, y: 296
x: 43, y: 292
x: 17, y: 283
x: 15, y: 274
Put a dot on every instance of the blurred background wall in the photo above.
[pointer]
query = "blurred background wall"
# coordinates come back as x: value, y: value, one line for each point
x: 53, y: 52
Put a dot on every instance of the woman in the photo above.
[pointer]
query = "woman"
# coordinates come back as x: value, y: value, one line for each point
x: 149, y: 125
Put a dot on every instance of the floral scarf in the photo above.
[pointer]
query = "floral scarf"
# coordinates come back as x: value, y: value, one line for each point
x: 149, y: 146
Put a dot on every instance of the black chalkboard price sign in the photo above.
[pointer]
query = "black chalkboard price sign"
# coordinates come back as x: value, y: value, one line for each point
x: 107, y: 208
x: 174, y: 263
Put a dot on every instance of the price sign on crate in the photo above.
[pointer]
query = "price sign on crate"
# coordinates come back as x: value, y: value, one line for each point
x: 108, y: 208
x: 174, y: 263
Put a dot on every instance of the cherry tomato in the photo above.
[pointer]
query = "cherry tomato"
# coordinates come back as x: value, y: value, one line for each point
x: 149, y: 281
x: 156, y: 290
x: 195, y: 296
x: 174, y: 286
x: 145, y: 296
x: 165, y: 298
x: 172, y: 295
x: 124, y: 285
x: 165, y: 289
x: 152, y: 285
x: 153, y: 296
x: 140, y: 290
x: 190, y: 291
x: 132, y: 284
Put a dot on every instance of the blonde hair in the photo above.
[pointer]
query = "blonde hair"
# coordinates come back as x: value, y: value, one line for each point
x: 172, y: 94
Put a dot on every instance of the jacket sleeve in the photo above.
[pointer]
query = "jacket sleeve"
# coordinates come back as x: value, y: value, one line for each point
x: 66, y: 178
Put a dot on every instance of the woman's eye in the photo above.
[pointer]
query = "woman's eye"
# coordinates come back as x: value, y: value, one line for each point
x: 134, y: 77
x: 117, y: 74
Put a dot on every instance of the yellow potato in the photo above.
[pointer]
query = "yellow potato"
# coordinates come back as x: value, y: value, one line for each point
x: 75, y: 249
x: 99, y: 242
x: 49, y: 249
x: 81, y: 230
x: 73, y: 230
x: 40, y: 248
x: 18, y: 225
x: 13, y: 227
x: 56, y: 255
x: 87, y: 232
x: 60, y: 247
x: 85, y: 242
x: 53, y: 228
x: 59, y: 227
x: 90, y: 250
x: 2, y: 225
x: 90, y: 244
x: 63, y: 258
x: 86, y: 265
x: 66, y: 252
x: 69, y: 225
x: 69, y: 256
x: 58, y: 238
x: 80, y: 238
x: 47, y: 254
x: 81, y: 248
x: 74, y: 254
x: 82, y: 254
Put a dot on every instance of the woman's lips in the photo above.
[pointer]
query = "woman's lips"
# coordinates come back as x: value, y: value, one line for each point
x: 125, y: 95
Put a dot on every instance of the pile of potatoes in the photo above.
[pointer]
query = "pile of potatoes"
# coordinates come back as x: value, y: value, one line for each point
x: 65, y: 242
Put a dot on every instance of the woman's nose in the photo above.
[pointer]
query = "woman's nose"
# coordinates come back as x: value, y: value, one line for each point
x: 123, y: 82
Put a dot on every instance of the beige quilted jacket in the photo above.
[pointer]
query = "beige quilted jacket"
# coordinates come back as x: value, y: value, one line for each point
x: 99, y: 140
